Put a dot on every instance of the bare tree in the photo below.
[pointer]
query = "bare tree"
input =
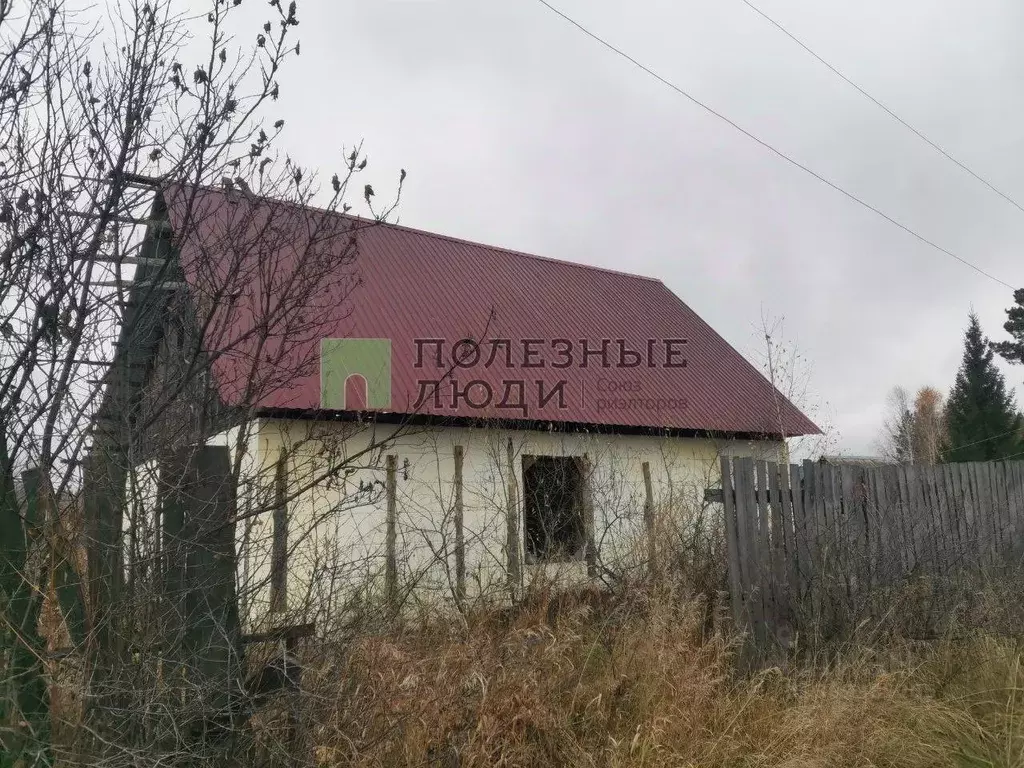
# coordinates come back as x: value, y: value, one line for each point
x: 914, y: 431
x: 789, y: 372
x: 122, y: 281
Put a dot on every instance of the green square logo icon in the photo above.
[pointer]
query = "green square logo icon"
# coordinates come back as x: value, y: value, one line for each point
x: 368, y: 360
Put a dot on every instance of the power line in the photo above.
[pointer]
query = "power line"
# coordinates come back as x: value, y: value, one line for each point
x: 772, y: 149
x: 983, y: 440
x: 882, y: 106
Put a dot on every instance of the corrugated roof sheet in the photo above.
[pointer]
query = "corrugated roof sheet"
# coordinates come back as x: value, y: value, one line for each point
x: 408, y: 286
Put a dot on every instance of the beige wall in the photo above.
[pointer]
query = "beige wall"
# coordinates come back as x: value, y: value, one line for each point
x: 337, y: 516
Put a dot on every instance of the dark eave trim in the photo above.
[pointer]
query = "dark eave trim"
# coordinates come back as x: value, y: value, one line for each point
x: 424, y: 420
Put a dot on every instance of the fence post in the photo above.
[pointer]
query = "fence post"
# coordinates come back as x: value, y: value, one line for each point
x: 199, y: 502
x: 732, y: 540
x: 590, y: 543
x: 460, y: 542
x: 649, y: 524
x: 805, y: 568
x: 512, y: 539
x: 391, y: 534
x: 103, y: 498
x: 22, y: 610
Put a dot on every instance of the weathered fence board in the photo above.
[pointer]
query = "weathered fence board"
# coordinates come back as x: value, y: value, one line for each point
x: 792, y: 529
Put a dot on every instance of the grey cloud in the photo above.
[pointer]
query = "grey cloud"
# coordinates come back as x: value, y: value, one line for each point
x: 517, y: 130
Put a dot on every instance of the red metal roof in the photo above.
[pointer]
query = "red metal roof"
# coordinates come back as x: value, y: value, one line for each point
x: 407, y: 285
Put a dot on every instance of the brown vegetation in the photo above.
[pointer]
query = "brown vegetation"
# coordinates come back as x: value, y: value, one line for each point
x: 641, y: 682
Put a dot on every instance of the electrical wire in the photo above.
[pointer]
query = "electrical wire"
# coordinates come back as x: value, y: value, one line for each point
x: 883, y: 107
x: 772, y: 149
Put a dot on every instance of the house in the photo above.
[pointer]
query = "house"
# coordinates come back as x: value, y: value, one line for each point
x: 418, y: 413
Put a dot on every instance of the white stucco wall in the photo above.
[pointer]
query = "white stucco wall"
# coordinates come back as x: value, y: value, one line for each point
x: 337, y: 515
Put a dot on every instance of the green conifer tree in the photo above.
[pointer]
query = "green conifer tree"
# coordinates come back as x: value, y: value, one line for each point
x: 982, y: 418
x: 1013, y: 351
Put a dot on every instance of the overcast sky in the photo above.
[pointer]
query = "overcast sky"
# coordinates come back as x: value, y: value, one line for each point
x: 519, y: 131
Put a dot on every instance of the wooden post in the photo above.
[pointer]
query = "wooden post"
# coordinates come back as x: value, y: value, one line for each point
x: 103, y: 496
x: 732, y: 539
x: 652, y: 549
x: 792, y: 554
x: 746, y: 521
x: 590, y: 544
x: 460, y: 542
x: 775, y: 526
x: 172, y: 500
x: 22, y: 611
x: 199, y: 505
x: 765, y: 560
x: 512, y: 539
x: 279, y: 537
x: 805, y: 566
x: 391, y: 535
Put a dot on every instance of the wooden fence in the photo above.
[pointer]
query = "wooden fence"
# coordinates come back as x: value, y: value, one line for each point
x: 800, y: 537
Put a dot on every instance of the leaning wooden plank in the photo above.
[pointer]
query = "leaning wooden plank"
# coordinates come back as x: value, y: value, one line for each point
x: 780, y: 567
x: 1009, y: 514
x: 732, y: 542
x: 859, y: 528
x: 1012, y: 504
x: 897, y: 541
x: 830, y: 523
x: 973, y: 504
x: 953, y: 513
x: 824, y: 563
x: 983, y: 510
x: 962, y: 493
x: 905, y: 524
x: 933, y: 521
x: 746, y: 503
x: 922, y: 517
x: 997, y: 471
x: 950, y: 515
x: 985, y: 473
x: 764, y: 552
x: 846, y: 549
x: 1019, y: 510
x: 810, y: 510
x: 1016, y: 503
x: 1009, y: 491
x: 992, y: 486
x: 742, y: 532
x: 922, y: 520
x: 877, y: 527
x: 930, y: 519
x: 792, y: 553
x: 873, y: 526
x: 805, y: 566
x: 946, y: 519
x: 897, y: 512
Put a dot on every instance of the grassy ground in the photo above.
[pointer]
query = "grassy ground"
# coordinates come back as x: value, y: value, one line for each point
x: 646, y: 684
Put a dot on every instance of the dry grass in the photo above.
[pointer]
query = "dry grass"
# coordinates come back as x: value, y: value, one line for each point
x: 643, y: 684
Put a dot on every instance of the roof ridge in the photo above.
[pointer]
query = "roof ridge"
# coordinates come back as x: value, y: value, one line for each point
x: 428, y: 233
x: 512, y: 251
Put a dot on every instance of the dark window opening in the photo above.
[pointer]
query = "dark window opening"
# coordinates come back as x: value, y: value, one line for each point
x: 553, y: 508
